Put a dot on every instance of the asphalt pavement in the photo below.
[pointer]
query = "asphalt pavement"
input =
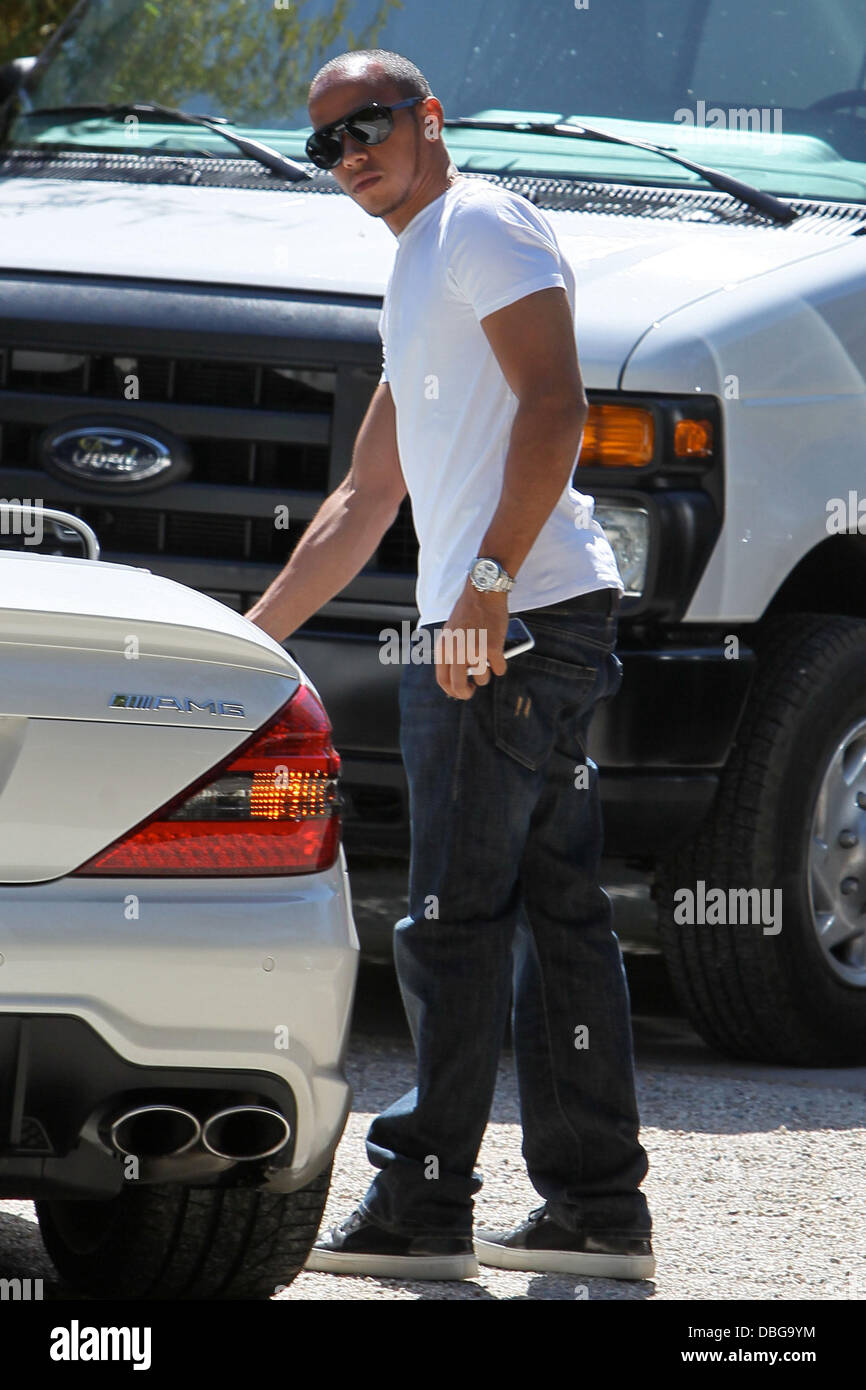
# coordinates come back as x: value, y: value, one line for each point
x: 756, y: 1174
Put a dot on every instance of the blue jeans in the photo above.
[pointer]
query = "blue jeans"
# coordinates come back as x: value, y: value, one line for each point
x: 504, y: 895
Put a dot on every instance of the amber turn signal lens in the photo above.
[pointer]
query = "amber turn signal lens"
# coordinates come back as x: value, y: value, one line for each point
x: 693, y: 439
x: 617, y: 436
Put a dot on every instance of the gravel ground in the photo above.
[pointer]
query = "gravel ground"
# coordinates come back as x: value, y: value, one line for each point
x: 756, y: 1189
x: 756, y: 1175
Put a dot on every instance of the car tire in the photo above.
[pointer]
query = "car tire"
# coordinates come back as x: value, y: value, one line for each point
x: 173, y: 1242
x: 790, y: 997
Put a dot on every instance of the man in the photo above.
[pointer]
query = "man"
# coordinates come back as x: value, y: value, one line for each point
x: 480, y: 414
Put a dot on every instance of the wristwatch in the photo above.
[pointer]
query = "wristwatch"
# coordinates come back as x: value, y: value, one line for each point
x: 489, y: 577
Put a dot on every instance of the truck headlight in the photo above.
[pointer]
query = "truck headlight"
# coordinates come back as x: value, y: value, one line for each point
x: 628, y: 530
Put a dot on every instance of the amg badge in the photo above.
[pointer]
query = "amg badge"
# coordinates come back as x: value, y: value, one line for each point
x: 184, y: 703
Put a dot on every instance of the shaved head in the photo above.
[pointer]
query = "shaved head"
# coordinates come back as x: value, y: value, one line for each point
x: 394, y: 178
x: 377, y: 65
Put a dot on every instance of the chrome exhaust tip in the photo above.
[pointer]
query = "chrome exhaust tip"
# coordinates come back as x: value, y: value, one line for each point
x: 155, y: 1131
x: 246, y: 1132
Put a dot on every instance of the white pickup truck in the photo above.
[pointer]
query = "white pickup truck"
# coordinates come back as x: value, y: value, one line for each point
x: 188, y: 341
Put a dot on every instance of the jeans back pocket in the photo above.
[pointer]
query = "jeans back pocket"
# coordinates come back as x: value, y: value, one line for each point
x: 532, y: 697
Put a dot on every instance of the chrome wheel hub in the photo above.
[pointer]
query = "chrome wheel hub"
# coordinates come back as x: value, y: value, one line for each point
x: 837, y: 859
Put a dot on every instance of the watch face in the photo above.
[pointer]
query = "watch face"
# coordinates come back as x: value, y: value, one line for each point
x: 485, y: 573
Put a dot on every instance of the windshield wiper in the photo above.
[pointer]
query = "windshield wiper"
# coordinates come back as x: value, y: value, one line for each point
x: 755, y: 197
x: 272, y: 159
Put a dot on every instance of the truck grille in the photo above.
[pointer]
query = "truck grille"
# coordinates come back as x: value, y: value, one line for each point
x: 260, y: 435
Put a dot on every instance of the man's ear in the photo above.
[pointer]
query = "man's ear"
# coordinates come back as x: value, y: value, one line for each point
x: 432, y: 116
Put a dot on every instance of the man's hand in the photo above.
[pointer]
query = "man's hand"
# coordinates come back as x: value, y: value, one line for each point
x: 473, y: 637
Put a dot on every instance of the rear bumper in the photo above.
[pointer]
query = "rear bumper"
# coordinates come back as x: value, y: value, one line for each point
x: 64, y: 1086
x: 661, y: 744
x: 202, y: 994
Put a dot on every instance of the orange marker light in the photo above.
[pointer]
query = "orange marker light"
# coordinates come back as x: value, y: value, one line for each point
x: 693, y: 439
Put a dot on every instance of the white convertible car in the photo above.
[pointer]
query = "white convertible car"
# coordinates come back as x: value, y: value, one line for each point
x: 177, y: 949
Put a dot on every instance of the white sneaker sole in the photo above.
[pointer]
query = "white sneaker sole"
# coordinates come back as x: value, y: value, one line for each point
x: 394, y: 1266
x: 595, y: 1266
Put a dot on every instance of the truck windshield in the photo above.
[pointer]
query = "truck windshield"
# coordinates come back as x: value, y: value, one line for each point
x: 771, y: 90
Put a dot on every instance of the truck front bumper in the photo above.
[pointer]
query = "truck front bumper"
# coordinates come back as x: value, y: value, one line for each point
x: 660, y: 744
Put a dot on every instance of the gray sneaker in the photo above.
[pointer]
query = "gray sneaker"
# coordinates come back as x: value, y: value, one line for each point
x: 358, y: 1246
x: 539, y: 1245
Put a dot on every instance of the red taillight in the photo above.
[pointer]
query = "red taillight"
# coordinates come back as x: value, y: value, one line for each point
x: 271, y: 807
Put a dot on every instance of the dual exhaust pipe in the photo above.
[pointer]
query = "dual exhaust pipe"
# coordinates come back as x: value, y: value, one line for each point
x: 239, y: 1132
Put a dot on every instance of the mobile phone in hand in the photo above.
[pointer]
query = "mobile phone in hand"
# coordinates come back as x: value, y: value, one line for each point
x: 518, y: 638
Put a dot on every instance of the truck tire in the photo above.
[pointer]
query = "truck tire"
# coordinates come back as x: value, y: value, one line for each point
x: 173, y: 1242
x: 800, y: 753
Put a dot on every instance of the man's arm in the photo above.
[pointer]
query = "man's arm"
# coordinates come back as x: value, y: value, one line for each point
x: 345, y: 531
x: 533, y: 342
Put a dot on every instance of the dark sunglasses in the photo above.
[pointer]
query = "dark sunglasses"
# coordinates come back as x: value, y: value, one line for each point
x: 369, y: 125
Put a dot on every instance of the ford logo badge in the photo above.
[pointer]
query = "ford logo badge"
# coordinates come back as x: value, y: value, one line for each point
x: 123, y: 457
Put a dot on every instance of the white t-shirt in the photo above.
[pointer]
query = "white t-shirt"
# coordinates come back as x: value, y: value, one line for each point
x: 471, y: 251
